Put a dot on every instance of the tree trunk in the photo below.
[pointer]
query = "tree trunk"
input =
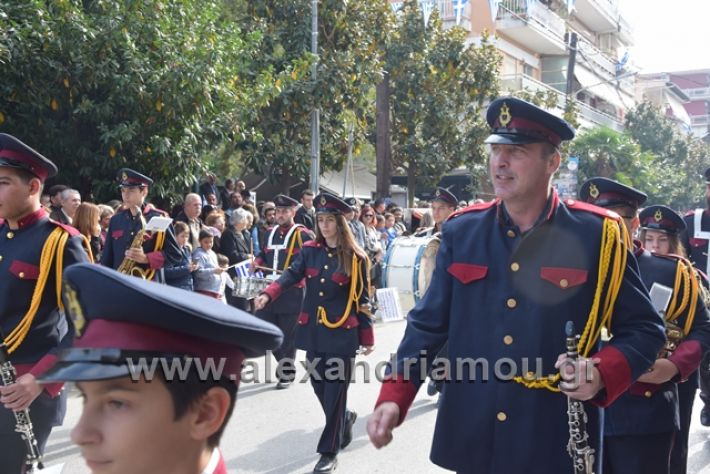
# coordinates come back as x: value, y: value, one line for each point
x: 382, y: 141
x: 411, y: 183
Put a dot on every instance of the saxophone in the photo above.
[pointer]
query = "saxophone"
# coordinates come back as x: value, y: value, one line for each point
x: 128, y: 266
x: 23, y: 423
x: 578, y: 446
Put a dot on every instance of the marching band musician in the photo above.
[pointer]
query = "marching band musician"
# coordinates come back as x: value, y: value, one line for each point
x: 640, y: 427
x: 33, y: 251
x: 156, y: 249
x: 157, y: 423
x: 284, y: 243
x: 509, y: 275
x: 334, y: 322
x: 442, y: 206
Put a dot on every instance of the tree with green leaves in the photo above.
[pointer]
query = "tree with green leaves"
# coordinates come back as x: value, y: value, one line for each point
x: 277, y: 141
x: 98, y: 85
x: 438, y: 87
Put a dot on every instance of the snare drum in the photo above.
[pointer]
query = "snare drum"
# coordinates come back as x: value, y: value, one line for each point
x: 245, y: 287
x: 408, y: 266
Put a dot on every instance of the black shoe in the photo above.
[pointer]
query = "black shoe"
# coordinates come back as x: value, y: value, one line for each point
x: 350, y: 417
x: 326, y: 464
x: 283, y: 384
x: 431, y: 388
x: 705, y: 416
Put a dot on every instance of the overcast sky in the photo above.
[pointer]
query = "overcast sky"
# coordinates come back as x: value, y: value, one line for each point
x: 669, y: 35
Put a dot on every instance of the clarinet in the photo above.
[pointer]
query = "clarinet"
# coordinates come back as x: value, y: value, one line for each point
x: 578, y: 446
x: 23, y: 424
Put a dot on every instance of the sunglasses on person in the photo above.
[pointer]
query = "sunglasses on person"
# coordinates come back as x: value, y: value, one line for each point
x: 368, y: 215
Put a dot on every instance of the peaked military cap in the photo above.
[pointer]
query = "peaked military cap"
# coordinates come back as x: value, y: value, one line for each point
x: 285, y: 201
x: 662, y: 218
x: 516, y: 122
x: 326, y: 202
x: 129, y: 178
x: 117, y: 317
x: 15, y: 154
x: 445, y: 196
x: 605, y: 192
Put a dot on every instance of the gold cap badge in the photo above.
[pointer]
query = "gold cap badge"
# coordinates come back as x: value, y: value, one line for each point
x: 323, y: 201
x: 438, y: 192
x: 593, y: 191
x: 658, y: 216
x: 124, y: 176
x: 73, y: 309
x: 504, y: 118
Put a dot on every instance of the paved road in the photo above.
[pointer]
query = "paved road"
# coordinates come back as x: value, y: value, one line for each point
x: 276, y: 431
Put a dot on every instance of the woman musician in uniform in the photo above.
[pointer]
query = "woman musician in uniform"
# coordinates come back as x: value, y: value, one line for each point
x: 334, y: 323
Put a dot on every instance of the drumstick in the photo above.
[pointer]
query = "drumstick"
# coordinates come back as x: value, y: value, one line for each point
x: 259, y: 267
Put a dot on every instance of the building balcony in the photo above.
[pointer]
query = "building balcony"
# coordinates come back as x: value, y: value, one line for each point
x: 601, y: 16
x: 698, y: 93
x: 700, y: 120
x: 532, y: 24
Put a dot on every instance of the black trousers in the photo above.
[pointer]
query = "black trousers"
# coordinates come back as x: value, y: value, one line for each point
x: 331, y: 387
x: 704, y: 373
x: 286, y: 354
x: 45, y: 413
x: 638, y: 454
x: 679, y: 452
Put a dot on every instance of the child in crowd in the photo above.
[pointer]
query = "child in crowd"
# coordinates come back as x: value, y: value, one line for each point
x: 179, y: 275
x: 207, y: 277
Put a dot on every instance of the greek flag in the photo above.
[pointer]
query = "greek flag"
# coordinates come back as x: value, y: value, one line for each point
x: 242, y: 270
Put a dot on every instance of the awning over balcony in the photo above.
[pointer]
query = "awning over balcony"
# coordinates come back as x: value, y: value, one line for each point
x: 604, y: 90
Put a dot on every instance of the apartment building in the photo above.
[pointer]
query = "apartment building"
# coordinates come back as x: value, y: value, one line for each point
x: 696, y: 85
x: 533, y: 37
x: 661, y: 91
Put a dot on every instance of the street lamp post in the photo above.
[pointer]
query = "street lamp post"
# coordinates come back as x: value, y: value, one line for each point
x: 315, y: 113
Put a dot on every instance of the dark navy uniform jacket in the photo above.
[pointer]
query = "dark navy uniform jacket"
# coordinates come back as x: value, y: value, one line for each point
x: 50, y: 331
x: 697, y: 249
x: 290, y: 303
x: 498, y: 295
x: 328, y: 287
x: 653, y: 408
x: 122, y: 229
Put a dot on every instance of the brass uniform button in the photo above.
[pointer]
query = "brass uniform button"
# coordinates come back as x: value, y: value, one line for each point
x: 647, y: 394
x: 325, y: 267
x: 564, y: 283
x: 0, y: 258
x: 511, y: 303
x: 322, y: 280
x: 508, y: 340
x: 10, y: 235
x: 501, y: 416
x: 515, y: 266
x: 21, y: 274
x: 330, y: 255
x: 570, y: 202
x: 510, y: 233
x: 320, y: 293
x: 340, y: 284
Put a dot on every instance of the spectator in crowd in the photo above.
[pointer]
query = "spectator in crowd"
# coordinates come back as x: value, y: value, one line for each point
x: 46, y: 201
x: 105, y: 216
x: 69, y: 202
x: 306, y: 214
x: 191, y: 216
x: 269, y: 220
x: 390, y: 229
x: 237, y: 246
x: 399, y: 226
x: 227, y: 282
x: 236, y: 201
x: 381, y: 230
x: 253, y: 226
x: 208, y: 187
x: 87, y: 221
x: 211, y: 199
x: 215, y: 223
x: 207, y: 279
x: 373, y: 248
x: 356, y: 227
x: 226, y: 193
x: 55, y: 196
x: 379, y: 206
x: 426, y: 222
x: 240, y: 186
x: 179, y: 274
x: 115, y: 204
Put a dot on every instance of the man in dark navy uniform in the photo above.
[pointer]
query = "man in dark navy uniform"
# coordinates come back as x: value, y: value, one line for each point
x: 283, y: 243
x: 640, y: 427
x: 31, y: 333
x: 443, y: 204
x: 695, y: 240
x: 159, y: 423
x: 510, y: 274
x: 158, y: 248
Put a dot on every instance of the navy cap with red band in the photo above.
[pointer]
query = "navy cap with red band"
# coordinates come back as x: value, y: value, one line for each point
x: 331, y: 204
x: 445, y: 196
x: 129, y: 178
x: 605, y: 192
x: 516, y: 122
x: 151, y: 320
x: 16, y: 154
x: 662, y: 218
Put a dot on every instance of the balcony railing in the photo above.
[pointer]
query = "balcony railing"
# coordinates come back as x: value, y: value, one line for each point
x: 534, y: 11
x: 700, y: 120
x: 698, y: 93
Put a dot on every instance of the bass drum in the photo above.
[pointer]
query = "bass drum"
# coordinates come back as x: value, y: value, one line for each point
x: 408, y: 266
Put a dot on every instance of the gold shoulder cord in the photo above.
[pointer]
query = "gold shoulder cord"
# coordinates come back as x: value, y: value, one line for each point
x: 686, y: 282
x: 296, y: 236
x: 358, y: 285
x: 159, y: 242
x: 612, y: 263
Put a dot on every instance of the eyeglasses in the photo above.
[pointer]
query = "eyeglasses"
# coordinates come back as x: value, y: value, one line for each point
x: 369, y: 215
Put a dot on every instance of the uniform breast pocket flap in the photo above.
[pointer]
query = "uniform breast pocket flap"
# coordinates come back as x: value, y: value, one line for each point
x: 24, y: 271
x: 467, y: 272
x: 117, y: 234
x: 340, y: 278
x: 563, y: 277
x: 311, y: 272
x: 303, y: 319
